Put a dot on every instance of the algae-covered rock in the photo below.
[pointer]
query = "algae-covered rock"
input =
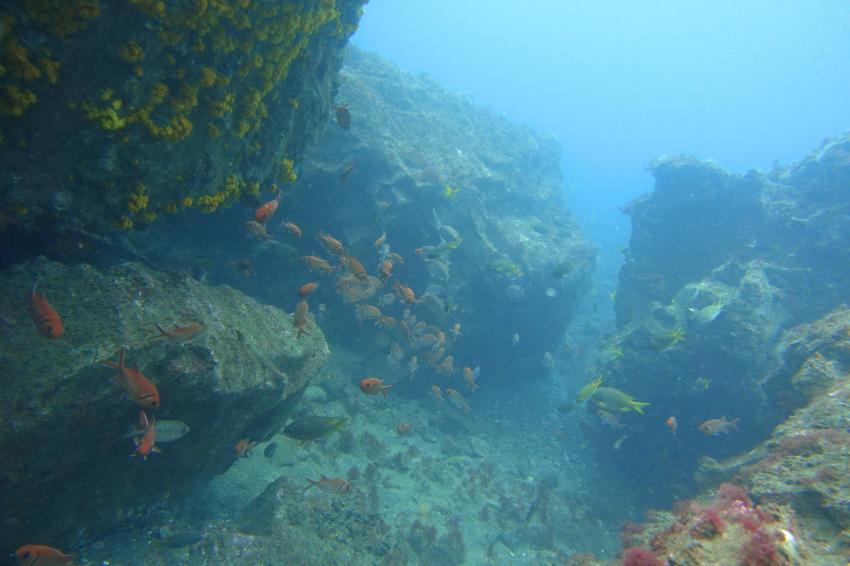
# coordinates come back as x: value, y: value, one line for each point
x: 315, y: 527
x: 112, y: 113
x: 64, y: 420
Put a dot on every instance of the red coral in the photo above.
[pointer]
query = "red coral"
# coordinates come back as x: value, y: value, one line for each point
x: 760, y: 550
x: 728, y: 493
x: 640, y: 557
x: 709, y: 525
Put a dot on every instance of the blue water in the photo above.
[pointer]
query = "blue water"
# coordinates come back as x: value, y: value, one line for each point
x: 621, y: 82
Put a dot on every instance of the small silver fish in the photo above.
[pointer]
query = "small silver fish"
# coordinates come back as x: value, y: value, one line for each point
x: 166, y: 431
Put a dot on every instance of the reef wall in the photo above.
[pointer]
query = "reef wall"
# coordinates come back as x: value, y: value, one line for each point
x: 719, y: 266
x: 114, y: 113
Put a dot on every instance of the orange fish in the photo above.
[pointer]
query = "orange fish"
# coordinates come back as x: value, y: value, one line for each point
x: 385, y: 322
x: 447, y: 367
x: 244, y: 447
x: 373, y: 386
x: 307, y: 289
x: 329, y: 485
x: 45, y: 317
x: 404, y: 292
x: 469, y: 375
x: 299, y: 319
x: 718, y: 426
x: 179, y: 333
x: 396, y: 258
x: 31, y: 554
x: 147, y: 443
x: 332, y: 243
x: 356, y: 268
x: 138, y: 387
x: 386, y: 268
x: 673, y: 424
x: 292, y: 228
x: 456, y: 333
x: 457, y: 398
x: 315, y: 263
x: 380, y: 241
x: 266, y: 211
x: 437, y: 392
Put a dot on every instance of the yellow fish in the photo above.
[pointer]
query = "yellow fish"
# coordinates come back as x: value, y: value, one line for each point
x: 589, y: 389
x: 449, y: 192
x: 613, y: 399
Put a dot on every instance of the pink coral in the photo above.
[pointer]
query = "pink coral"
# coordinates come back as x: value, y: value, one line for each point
x: 709, y: 525
x: 640, y: 557
x: 760, y: 550
x: 728, y: 493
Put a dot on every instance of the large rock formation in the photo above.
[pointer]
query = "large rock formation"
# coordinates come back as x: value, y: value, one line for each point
x: 718, y: 267
x: 478, y: 196
x: 66, y: 476
x: 114, y: 113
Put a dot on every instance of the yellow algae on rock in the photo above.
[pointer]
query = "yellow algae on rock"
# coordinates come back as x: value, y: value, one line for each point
x: 14, y: 100
x: 132, y: 52
x: 287, y: 171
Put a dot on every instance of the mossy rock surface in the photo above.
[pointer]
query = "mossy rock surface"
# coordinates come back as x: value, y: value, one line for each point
x: 64, y: 419
x: 114, y: 113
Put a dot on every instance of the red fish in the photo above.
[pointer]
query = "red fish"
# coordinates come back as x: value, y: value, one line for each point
x: 373, y: 386
x: 332, y: 243
x: 42, y: 555
x: 45, y: 317
x: 672, y: 424
x: 179, y: 333
x: 292, y: 228
x: 380, y: 241
x: 404, y: 292
x: 386, y: 269
x: 147, y: 443
x: 266, y: 211
x: 138, y: 387
x: 244, y: 447
x: 307, y: 289
x: 299, y: 319
x: 356, y: 268
x: 437, y: 392
x: 315, y: 263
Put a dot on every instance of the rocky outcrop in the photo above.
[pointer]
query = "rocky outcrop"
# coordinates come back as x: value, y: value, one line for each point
x: 67, y: 476
x: 478, y: 197
x: 114, y: 113
x: 719, y: 267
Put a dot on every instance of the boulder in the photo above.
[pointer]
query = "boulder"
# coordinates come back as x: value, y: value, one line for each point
x: 64, y: 419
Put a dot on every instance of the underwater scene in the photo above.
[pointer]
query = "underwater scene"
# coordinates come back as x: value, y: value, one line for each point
x: 321, y: 282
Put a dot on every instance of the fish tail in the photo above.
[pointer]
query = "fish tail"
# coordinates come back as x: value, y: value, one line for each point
x: 385, y: 388
x: 638, y: 406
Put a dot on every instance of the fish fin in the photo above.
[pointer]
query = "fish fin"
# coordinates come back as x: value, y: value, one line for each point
x: 310, y: 484
x: 156, y: 449
x: 638, y: 406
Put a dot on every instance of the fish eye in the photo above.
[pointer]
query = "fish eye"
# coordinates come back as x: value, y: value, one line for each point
x: 26, y: 554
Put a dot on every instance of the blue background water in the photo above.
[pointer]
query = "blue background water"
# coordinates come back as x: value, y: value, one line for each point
x: 744, y: 83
